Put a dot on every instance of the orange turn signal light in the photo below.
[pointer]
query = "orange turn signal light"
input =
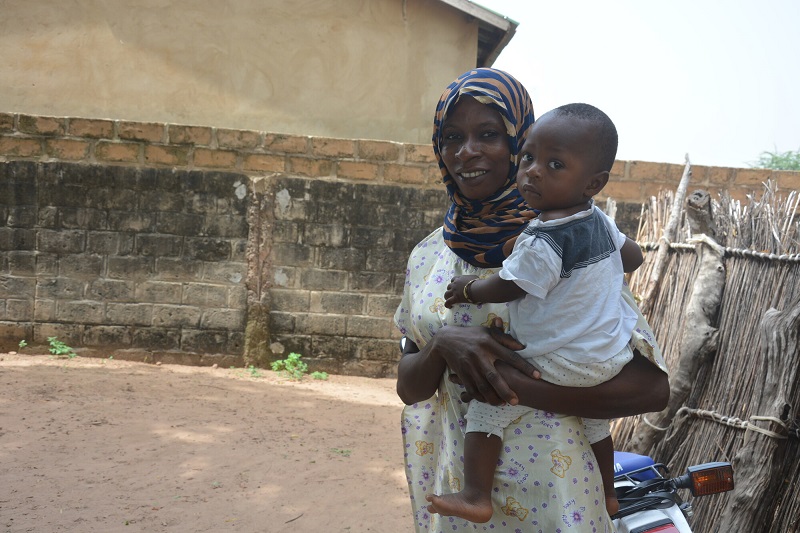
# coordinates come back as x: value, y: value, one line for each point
x: 710, y: 478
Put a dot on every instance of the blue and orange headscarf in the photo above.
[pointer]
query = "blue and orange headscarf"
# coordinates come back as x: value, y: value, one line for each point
x: 483, y: 232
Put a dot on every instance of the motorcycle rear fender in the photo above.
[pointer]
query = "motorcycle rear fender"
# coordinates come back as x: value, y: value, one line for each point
x: 654, y: 520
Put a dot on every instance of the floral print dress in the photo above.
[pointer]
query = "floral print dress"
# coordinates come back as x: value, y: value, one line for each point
x: 547, y: 478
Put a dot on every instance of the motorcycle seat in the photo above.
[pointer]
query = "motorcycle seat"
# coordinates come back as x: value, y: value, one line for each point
x: 638, y: 467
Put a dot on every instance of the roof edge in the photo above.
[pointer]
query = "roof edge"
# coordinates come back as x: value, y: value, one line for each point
x: 483, y: 14
x: 495, y: 30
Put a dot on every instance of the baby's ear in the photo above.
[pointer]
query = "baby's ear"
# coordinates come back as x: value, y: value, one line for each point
x: 596, y: 184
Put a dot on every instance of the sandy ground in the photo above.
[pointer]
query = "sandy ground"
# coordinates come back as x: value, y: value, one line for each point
x: 104, y: 445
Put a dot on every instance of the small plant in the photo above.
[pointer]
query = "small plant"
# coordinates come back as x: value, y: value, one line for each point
x: 22, y: 344
x: 343, y: 453
x: 60, y: 349
x: 320, y: 375
x: 291, y: 366
x: 251, y: 371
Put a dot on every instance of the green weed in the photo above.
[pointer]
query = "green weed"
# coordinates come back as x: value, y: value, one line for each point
x: 320, y: 375
x: 251, y: 371
x: 292, y: 366
x: 343, y: 453
x: 60, y: 349
x: 23, y: 343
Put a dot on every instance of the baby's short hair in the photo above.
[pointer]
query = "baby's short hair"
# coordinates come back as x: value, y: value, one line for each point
x: 606, y: 131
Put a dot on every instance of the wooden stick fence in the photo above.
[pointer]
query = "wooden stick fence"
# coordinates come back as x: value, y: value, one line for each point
x: 743, y: 403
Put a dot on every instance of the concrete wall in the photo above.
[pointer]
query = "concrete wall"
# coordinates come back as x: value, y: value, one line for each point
x: 361, y: 69
x: 117, y: 257
x: 208, y: 245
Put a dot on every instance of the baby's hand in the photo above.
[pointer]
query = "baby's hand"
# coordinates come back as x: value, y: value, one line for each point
x: 455, y: 291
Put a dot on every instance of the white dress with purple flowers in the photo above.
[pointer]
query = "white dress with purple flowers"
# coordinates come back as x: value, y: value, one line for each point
x: 547, y: 478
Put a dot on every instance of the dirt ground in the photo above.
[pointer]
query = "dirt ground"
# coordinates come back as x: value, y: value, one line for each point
x: 103, y: 445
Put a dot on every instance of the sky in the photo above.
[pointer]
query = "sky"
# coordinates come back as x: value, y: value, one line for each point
x: 717, y: 80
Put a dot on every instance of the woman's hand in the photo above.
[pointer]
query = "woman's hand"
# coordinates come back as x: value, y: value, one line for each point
x: 470, y: 353
x: 472, y: 357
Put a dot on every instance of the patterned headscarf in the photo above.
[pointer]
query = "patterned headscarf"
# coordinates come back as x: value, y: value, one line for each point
x: 483, y: 232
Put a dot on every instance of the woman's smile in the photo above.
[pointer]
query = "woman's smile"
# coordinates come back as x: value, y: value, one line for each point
x: 470, y: 175
x: 472, y: 179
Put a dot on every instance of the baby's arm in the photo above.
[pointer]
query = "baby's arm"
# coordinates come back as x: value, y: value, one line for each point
x: 493, y: 289
x: 632, y: 257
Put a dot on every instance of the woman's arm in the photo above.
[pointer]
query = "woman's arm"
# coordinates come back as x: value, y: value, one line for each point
x: 485, y: 363
x: 641, y: 387
x: 470, y: 352
x: 418, y: 373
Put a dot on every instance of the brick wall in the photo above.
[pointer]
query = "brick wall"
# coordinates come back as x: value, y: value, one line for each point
x: 123, y: 258
x: 205, y: 245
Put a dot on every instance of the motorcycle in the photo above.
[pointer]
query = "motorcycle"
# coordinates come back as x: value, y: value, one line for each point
x: 648, y: 496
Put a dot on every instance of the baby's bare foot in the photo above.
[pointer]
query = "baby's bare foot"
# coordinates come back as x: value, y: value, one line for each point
x: 478, y: 509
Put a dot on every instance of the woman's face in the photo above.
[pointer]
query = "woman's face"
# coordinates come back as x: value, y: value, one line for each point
x: 474, y: 148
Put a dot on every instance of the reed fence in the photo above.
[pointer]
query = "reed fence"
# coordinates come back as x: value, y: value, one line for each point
x: 735, y: 392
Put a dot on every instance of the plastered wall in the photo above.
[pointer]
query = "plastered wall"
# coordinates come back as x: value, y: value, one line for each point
x: 361, y: 69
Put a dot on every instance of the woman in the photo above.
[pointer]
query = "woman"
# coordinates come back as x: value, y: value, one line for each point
x: 547, y: 478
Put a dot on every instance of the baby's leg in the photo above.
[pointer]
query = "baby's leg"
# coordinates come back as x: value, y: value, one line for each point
x: 561, y: 371
x: 604, y: 452
x: 474, y: 502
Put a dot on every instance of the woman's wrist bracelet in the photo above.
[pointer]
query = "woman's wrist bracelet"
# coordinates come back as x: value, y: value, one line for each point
x: 466, y: 291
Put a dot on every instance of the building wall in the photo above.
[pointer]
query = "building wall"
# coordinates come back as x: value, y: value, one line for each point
x: 309, y: 67
x: 209, y: 245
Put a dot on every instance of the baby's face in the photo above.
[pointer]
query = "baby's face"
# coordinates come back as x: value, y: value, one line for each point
x: 557, y: 163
